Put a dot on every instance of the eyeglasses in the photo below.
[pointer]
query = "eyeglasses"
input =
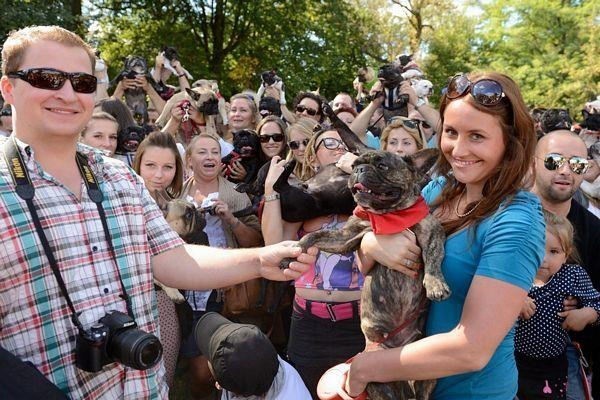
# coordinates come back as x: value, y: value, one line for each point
x: 295, y: 144
x: 486, y: 92
x: 53, y: 79
x: 310, y: 111
x: 277, y: 137
x: 407, y: 123
x: 331, y: 144
x: 554, y: 161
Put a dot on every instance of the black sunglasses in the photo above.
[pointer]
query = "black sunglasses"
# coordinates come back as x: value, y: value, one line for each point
x: 422, y: 123
x: 554, y: 161
x: 486, y: 92
x: 277, y: 137
x: 300, y: 109
x: 331, y: 144
x: 295, y: 144
x: 408, y: 124
x: 53, y: 79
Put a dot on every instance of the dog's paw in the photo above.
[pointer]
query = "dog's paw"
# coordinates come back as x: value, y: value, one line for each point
x: 436, y: 288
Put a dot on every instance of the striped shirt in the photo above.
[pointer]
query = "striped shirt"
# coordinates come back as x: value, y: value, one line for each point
x: 35, y: 321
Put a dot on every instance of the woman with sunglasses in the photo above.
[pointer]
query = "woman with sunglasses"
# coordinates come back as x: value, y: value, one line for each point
x: 298, y: 135
x: 402, y: 136
x: 271, y: 133
x: 309, y: 105
x: 325, y: 327
x: 495, y: 241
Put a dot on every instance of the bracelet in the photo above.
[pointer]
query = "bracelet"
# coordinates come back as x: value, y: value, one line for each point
x: 272, y: 197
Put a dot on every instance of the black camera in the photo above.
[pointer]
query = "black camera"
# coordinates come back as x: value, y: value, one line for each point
x: 130, y: 74
x: 269, y: 77
x: 115, y: 339
x: 210, y: 210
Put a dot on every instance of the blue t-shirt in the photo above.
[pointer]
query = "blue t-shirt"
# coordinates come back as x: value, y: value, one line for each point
x: 508, y: 246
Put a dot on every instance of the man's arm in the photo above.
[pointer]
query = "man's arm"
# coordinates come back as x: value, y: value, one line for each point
x: 194, y: 267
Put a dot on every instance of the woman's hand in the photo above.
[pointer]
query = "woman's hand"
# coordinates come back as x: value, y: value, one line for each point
x: 178, y: 112
x: 222, y: 211
x: 238, y: 172
x: 275, y: 170
x: 528, y: 308
x: 399, y: 252
x: 577, y: 320
x: 570, y: 303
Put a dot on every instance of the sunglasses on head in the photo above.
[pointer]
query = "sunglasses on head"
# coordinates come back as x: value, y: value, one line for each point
x: 277, y: 137
x: 300, y: 109
x: 554, y: 161
x: 422, y: 123
x: 53, y: 79
x: 486, y: 92
x: 407, y: 123
x: 295, y: 144
x: 331, y: 144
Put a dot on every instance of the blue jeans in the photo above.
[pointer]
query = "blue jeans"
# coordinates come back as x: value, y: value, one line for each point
x: 575, y: 389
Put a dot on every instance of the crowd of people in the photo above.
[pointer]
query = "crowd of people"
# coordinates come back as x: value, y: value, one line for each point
x: 516, y: 189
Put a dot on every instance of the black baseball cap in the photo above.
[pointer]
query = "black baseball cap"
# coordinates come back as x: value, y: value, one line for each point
x: 242, y: 357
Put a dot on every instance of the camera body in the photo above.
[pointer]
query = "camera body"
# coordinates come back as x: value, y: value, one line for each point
x: 115, y: 338
x: 210, y: 210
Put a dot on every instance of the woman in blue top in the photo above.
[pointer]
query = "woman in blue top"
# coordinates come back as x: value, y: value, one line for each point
x: 495, y: 242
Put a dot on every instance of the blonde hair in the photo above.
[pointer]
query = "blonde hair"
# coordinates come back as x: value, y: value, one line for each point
x: 102, y: 115
x: 562, y: 229
x: 310, y: 154
x: 18, y: 42
x: 399, y: 123
x: 188, y: 149
x: 251, y: 103
x: 306, y: 127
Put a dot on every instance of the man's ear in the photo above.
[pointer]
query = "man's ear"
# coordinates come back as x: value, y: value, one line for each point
x: 6, y: 88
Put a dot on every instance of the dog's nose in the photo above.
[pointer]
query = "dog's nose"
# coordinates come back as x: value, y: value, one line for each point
x: 360, y: 169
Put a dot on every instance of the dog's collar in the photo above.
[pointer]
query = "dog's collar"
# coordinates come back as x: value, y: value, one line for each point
x: 397, y: 221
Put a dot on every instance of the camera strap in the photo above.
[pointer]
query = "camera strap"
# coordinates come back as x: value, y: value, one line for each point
x: 26, y: 190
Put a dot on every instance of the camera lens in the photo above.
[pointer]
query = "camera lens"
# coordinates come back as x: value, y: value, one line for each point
x: 135, y: 348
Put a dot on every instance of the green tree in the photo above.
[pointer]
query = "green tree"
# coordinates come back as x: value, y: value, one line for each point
x: 549, y: 47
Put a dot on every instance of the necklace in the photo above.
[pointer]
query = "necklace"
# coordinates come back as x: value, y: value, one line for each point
x: 458, y: 214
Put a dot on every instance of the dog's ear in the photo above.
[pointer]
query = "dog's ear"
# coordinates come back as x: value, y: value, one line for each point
x: 424, y: 159
x: 193, y: 94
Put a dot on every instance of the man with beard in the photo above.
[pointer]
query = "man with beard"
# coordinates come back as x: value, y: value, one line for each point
x: 560, y: 163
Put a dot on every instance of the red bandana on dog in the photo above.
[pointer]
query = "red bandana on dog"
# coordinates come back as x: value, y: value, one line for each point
x: 397, y: 221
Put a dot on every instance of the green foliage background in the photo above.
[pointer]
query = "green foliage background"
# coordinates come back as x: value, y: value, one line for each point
x: 550, y: 47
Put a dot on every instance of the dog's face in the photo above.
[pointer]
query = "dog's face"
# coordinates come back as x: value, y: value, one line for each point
x: 170, y: 53
x: 246, y: 143
x: 183, y: 217
x: 205, y: 100
x: 129, y: 139
x: 136, y: 65
x: 382, y: 182
x: 423, y: 88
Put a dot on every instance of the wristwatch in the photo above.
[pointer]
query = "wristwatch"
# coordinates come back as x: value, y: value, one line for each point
x: 272, y: 197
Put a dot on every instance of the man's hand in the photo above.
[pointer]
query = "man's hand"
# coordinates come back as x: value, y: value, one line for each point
x: 271, y: 257
x: 577, y: 320
x: 528, y: 308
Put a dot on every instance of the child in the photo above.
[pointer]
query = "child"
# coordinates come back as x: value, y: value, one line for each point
x: 541, y: 335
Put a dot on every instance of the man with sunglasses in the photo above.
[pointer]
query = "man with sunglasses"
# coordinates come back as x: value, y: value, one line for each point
x: 559, y: 166
x: 81, y: 234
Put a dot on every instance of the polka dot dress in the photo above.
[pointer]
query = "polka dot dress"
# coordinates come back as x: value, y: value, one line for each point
x: 542, y: 336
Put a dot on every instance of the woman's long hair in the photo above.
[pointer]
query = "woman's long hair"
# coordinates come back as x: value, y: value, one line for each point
x: 509, y: 176
x: 162, y: 140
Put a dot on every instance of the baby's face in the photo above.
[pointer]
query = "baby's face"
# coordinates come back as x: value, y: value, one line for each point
x: 554, y: 258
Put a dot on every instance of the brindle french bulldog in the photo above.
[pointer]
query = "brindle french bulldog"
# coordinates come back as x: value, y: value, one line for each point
x: 393, y: 304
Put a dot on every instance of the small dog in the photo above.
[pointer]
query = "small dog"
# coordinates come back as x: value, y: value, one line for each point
x: 189, y: 222
x: 393, y: 304
x: 246, y: 148
x: 130, y: 138
x: 136, y: 98
x: 555, y: 118
x: 592, y: 189
x: 424, y: 89
x: 170, y: 54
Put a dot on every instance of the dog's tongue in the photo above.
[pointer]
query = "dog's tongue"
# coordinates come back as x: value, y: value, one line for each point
x: 359, y: 186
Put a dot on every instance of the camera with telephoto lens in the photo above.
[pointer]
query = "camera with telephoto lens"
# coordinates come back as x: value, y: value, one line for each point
x: 115, y: 338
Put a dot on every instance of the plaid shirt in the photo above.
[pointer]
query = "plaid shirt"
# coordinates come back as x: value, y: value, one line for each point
x: 35, y: 321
